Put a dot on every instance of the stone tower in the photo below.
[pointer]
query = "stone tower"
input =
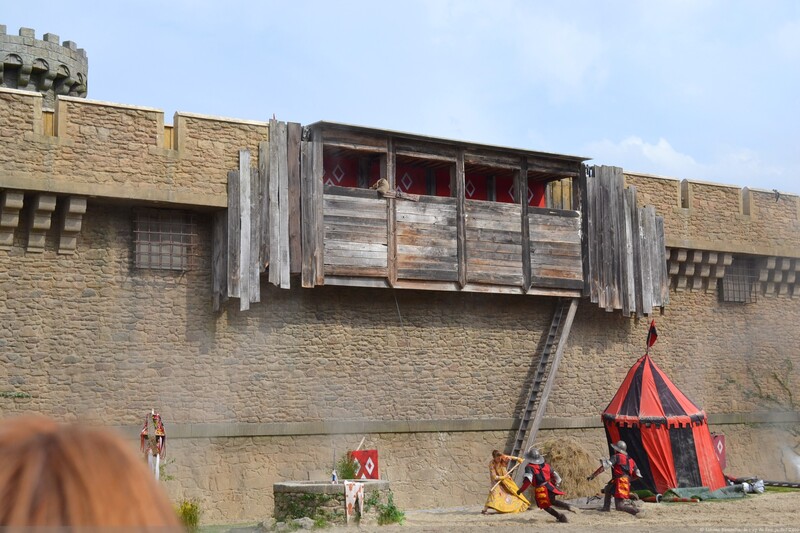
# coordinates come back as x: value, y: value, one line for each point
x: 45, y: 66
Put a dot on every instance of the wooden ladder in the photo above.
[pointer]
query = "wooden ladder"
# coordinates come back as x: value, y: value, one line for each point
x: 545, y: 376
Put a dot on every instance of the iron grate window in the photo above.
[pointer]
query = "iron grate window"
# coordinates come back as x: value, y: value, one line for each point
x: 739, y: 284
x: 164, y: 240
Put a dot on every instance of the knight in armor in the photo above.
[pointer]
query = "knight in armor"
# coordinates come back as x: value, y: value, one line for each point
x: 545, y: 481
x: 623, y: 471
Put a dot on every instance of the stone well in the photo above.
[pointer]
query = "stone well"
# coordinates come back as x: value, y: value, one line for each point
x: 326, y: 500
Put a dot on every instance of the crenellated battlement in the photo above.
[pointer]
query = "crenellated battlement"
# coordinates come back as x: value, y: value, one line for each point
x: 721, y: 218
x: 47, y: 66
x: 103, y: 149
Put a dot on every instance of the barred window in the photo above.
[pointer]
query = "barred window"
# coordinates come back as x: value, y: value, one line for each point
x: 164, y: 239
x: 739, y: 283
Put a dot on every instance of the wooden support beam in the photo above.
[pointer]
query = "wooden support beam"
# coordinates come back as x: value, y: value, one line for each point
x: 521, y: 195
x: 244, y: 230
x: 283, y: 201
x: 263, y: 174
x: 307, y: 216
x: 234, y: 232
x: 388, y: 172
x: 318, y: 171
x: 219, y: 258
x: 294, y: 131
x: 461, y: 229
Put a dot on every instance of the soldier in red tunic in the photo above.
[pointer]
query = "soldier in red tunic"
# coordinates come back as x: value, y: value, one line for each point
x: 545, y: 481
x: 623, y: 469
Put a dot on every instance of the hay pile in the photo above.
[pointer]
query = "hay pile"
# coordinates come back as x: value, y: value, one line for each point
x: 573, y: 463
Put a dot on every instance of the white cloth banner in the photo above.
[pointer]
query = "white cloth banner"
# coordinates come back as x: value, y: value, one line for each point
x: 353, y: 492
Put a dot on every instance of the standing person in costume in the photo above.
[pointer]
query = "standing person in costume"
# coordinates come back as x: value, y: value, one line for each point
x: 503, y: 496
x: 545, y: 481
x: 153, y: 441
x: 623, y: 470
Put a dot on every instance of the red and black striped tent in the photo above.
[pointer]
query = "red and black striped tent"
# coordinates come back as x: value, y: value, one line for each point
x: 666, y: 433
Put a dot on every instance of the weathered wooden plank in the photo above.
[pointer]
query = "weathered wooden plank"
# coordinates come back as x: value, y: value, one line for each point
x: 546, y: 258
x: 461, y: 230
x: 263, y: 191
x: 366, y: 262
x: 254, y: 268
x: 427, y: 275
x: 476, y: 258
x: 553, y: 270
x: 234, y: 232
x: 482, y: 208
x: 591, y: 236
x: 542, y: 235
x: 294, y: 132
x: 448, y: 241
x: 427, y: 251
x: 556, y: 283
x: 606, y: 276
x: 647, y: 218
x: 510, y: 224
x: 521, y: 194
x: 433, y: 263
x: 495, y: 236
x: 413, y: 218
x: 495, y: 278
x: 408, y: 232
x: 375, y: 207
x: 353, y: 251
x: 219, y: 258
x: 344, y: 222
x: 478, y: 247
x: 636, y: 241
x: 550, y: 212
x: 307, y: 213
x: 551, y: 223
x: 273, y: 194
x: 354, y: 140
x: 283, y: 202
x: 491, y: 159
x: 244, y: 238
x: 388, y: 170
x: 557, y: 248
x: 616, y: 256
x: 628, y: 287
x: 353, y: 235
x: 347, y: 270
x: 428, y: 208
x: 425, y: 150
x: 349, y: 192
x: 358, y: 246
x: 318, y: 172
x: 663, y: 262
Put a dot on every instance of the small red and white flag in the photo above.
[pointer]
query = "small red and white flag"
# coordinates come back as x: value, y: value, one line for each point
x: 652, y: 335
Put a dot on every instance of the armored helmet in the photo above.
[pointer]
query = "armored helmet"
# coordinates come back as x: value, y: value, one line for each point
x: 534, y: 456
x: 621, y: 447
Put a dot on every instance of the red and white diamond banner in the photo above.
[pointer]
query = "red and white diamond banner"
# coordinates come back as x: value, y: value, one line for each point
x: 367, y: 464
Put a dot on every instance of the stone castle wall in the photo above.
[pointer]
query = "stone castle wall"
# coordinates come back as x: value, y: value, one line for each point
x: 711, y: 216
x: 116, y: 151
x: 252, y: 398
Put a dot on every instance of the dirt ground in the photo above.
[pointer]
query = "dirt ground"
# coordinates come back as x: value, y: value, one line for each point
x: 769, y: 512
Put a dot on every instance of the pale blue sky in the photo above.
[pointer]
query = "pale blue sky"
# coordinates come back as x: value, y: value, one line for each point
x: 698, y: 89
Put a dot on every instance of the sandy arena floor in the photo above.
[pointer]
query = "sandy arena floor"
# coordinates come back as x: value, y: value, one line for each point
x: 770, y: 512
